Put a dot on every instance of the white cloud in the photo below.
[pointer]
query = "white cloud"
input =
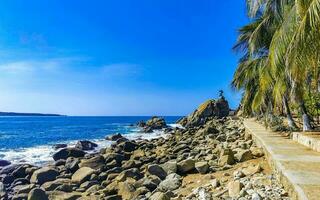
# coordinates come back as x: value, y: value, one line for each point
x: 24, y: 67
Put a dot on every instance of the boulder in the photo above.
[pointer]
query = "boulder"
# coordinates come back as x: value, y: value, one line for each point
x: 126, y: 190
x: 60, y: 146
x: 52, y: 185
x: 172, y: 182
x: 159, y: 196
x: 128, y: 146
x: 186, y: 166
x: 155, y: 123
x: 97, y: 162
x: 86, y: 145
x: 202, y: 167
x: 129, y: 173
x: 170, y: 167
x: 4, y: 163
x: 234, y: 188
x: 157, y: 171
x: 43, y: 175
x: 81, y: 175
x: 252, y: 169
x: 211, y: 108
x: 68, y: 152
x: 114, y: 137
x: 243, y: 155
x: 37, y: 194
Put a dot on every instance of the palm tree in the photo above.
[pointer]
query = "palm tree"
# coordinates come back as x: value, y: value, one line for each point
x: 287, y: 31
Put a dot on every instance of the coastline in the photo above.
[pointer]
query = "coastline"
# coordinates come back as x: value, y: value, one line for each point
x: 157, y: 169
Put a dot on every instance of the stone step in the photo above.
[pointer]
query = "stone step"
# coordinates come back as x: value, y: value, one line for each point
x: 296, y: 166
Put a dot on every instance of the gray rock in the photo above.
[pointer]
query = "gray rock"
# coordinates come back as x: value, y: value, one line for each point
x: 68, y: 152
x: 172, y: 182
x: 157, y: 171
x: 43, y: 175
x: 186, y: 166
x: 202, y: 167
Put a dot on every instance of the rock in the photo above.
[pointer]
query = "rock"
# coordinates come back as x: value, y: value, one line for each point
x: 157, y: 171
x: 243, y: 155
x: 141, y: 124
x: 172, y: 182
x: 4, y: 163
x: 86, y: 145
x: 226, y: 158
x: 126, y: 190
x: 37, y: 194
x: 9, y: 169
x: 202, y: 167
x: 114, y: 137
x: 52, y: 185
x: 186, y: 166
x: 257, y: 152
x: 234, y: 188
x: 96, y: 162
x: 159, y: 196
x: 211, y: 108
x: 81, y: 175
x: 128, y: 146
x: 156, y: 123
x: 72, y: 164
x: 43, y: 175
x: 60, y: 146
x: 256, y: 196
x: 129, y: 173
x: 170, y: 167
x: 68, y: 152
x: 250, y: 170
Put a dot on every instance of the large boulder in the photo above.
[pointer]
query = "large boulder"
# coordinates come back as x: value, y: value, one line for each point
x: 155, y: 123
x: 68, y: 152
x: 157, y: 171
x: 86, y: 145
x: 4, y: 163
x: 172, y: 182
x: 81, y: 175
x: 37, y: 194
x: 211, y: 108
x: 43, y: 175
x: 186, y: 166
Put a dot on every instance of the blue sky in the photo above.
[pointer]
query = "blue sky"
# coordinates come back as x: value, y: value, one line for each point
x: 124, y: 57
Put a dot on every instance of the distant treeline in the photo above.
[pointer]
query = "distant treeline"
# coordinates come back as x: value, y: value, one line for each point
x: 26, y: 114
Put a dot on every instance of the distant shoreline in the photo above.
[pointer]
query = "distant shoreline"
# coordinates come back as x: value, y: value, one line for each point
x: 5, y: 114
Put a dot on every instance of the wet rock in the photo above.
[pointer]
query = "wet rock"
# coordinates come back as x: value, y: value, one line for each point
x: 4, y: 163
x: 43, y: 175
x: 68, y: 152
x: 86, y: 145
x: 114, y: 137
x: 60, y: 146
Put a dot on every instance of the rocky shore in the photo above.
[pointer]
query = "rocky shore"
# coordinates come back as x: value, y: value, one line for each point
x: 211, y: 159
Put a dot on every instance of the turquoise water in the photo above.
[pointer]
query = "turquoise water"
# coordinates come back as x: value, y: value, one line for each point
x: 30, y: 139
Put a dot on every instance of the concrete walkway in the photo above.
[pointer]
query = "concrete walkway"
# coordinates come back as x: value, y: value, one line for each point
x: 296, y: 166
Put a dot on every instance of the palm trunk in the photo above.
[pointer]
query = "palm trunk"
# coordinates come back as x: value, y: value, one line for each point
x: 305, y: 117
x: 291, y: 122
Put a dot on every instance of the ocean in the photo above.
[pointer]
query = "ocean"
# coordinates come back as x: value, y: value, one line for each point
x: 31, y: 139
